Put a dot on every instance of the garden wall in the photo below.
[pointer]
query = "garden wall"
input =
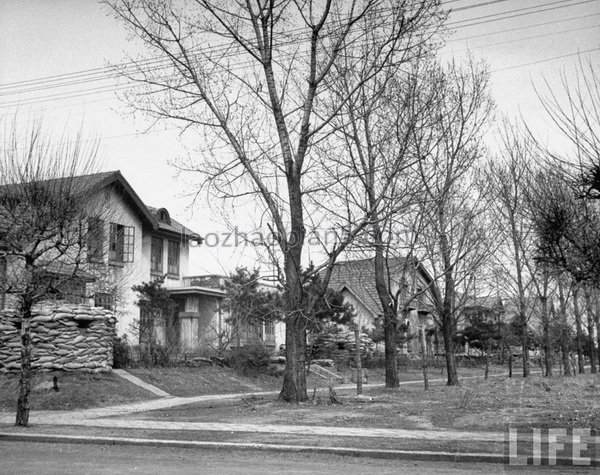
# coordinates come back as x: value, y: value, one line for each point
x: 64, y: 337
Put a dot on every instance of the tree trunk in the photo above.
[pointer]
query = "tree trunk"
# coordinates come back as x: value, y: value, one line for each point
x: 579, y: 329
x: 590, y: 330
x: 487, y: 358
x: 424, y: 359
x: 517, y: 243
x: 510, y: 363
x: 294, y: 377
x: 591, y: 347
x: 548, y: 360
x: 449, y: 349
x: 564, y: 344
x: 23, y: 402
x: 358, y: 362
x: 564, y: 353
x: 541, y: 362
x: 525, y: 346
x: 390, y: 319
x: 391, y: 366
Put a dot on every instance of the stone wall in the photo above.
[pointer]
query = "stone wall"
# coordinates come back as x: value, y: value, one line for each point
x: 64, y: 337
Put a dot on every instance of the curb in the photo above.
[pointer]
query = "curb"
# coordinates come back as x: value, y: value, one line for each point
x: 342, y: 451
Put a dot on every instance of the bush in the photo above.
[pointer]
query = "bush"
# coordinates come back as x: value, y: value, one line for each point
x: 121, y: 353
x: 376, y: 360
x: 154, y: 355
x: 249, y: 359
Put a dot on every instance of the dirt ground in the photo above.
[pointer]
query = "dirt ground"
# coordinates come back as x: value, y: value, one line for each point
x: 474, y: 405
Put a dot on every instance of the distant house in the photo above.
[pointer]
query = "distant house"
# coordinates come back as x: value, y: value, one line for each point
x: 409, y: 283
x: 128, y: 243
x: 268, y: 331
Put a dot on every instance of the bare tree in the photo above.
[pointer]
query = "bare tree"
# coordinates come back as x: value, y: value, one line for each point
x: 375, y: 165
x: 509, y: 178
x: 575, y: 110
x: 454, y: 242
x: 43, y: 228
x: 250, y: 78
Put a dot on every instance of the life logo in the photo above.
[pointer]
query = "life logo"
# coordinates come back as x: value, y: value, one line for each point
x: 551, y: 446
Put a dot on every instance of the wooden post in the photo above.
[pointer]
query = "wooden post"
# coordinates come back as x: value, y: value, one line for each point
x: 424, y: 359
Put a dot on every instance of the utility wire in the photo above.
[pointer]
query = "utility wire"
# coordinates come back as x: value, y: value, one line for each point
x: 111, y: 88
x: 554, y: 58
x: 99, y: 74
x: 526, y: 27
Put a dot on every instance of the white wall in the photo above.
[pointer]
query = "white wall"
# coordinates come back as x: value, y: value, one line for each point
x: 109, y: 206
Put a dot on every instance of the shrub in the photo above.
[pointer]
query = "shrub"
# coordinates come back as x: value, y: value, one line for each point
x: 121, y: 353
x: 376, y: 360
x: 249, y: 359
x: 154, y: 355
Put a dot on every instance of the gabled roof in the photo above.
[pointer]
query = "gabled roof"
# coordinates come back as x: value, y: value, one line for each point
x: 358, y: 277
x: 484, y: 301
x: 92, y: 183
x: 86, y: 185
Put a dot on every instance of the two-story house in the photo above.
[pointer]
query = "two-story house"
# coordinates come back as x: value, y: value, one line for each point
x: 127, y: 243
x: 409, y: 284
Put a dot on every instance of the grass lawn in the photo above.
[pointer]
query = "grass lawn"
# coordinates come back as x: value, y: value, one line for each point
x: 186, y: 382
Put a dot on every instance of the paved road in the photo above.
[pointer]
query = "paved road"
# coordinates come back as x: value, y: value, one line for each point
x: 48, y: 458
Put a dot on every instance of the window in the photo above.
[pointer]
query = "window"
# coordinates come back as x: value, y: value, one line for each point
x: 121, y: 243
x: 251, y: 330
x: 95, y: 240
x: 69, y: 291
x: 156, y: 256
x: 173, y: 258
x: 104, y: 300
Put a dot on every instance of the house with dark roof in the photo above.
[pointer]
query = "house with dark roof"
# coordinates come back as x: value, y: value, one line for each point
x: 128, y: 243
x: 408, y: 283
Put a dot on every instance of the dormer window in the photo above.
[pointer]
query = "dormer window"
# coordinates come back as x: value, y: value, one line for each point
x: 163, y: 216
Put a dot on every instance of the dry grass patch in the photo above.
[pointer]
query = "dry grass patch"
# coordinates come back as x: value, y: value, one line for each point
x: 77, y: 390
x: 185, y: 382
x: 474, y: 405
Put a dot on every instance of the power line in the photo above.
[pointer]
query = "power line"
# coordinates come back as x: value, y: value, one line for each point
x: 169, y: 129
x: 159, y: 59
x: 545, y: 60
x: 112, y: 88
x: 100, y: 74
x: 533, y: 37
x: 526, y: 27
x: 540, y: 9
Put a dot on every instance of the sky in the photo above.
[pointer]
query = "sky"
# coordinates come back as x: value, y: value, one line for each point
x: 526, y: 43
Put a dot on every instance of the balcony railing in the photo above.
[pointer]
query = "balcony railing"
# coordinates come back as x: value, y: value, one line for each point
x: 210, y: 281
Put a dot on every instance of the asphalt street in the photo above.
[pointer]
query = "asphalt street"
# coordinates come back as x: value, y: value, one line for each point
x: 52, y: 458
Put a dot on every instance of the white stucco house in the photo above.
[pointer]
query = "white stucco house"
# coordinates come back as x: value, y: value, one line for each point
x: 127, y: 243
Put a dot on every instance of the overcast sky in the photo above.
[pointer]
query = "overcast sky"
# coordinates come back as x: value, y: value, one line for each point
x: 525, y: 43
